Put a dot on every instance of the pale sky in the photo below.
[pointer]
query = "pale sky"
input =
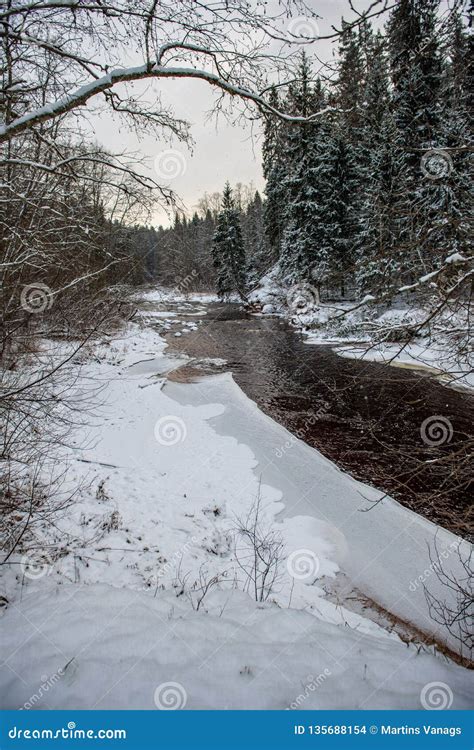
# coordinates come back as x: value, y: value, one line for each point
x: 223, y: 151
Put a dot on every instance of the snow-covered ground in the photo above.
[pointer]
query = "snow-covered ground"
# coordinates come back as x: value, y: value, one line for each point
x: 162, y: 296
x: 84, y: 647
x: 112, y: 614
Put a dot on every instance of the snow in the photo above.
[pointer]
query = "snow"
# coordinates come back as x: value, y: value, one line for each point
x: 433, y: 359
x: 166, y: 468
x: 455, y: 258
x: 269, y: 291
x: 119, y: 75
x: 126, y: 650
x: 163, y: 296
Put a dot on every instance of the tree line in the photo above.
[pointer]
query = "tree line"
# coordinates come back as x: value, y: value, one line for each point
x: 377, y: 192
x: 191, y: 248
x: 374, y: 194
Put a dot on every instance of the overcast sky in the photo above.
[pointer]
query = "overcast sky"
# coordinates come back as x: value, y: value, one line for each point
x: 223, y: 151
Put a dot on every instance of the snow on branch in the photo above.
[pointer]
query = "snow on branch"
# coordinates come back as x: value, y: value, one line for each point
x: 120, y: 75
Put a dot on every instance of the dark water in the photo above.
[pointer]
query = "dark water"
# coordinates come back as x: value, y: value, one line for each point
x: 366, y: 417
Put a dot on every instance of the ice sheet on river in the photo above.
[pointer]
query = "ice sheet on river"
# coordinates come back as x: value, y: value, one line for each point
x: 382, y: 547
x: 109, y: 615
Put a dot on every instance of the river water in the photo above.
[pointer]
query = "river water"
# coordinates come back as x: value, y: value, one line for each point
x: 366, y: 417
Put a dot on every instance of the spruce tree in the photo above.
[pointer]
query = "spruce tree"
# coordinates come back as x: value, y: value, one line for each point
x: 259, y: 258
x: 301, y: 239
x: 228, y: 249
x: 344, y: 174
x: 350, y: 79
x: 338, y: 182
x: 275, y: 166
x: 377, y: 265
x: 416, y: 77
x: 453, y: 220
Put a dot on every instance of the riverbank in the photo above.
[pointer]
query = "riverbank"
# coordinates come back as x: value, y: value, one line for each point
x: 422, y: 356
x: 149, y: 563
x: 396, y: 429
x: 395, y: 334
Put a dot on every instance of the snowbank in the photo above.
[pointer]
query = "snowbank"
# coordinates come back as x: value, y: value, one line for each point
x: 270, y: 292
x: 164, y: 295
x: 431, y: 358
x: 107, y: 648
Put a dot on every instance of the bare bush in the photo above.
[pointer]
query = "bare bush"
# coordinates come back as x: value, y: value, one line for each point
x: 456, y: 611
x: 258, y: 552
x: 197, y: 591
